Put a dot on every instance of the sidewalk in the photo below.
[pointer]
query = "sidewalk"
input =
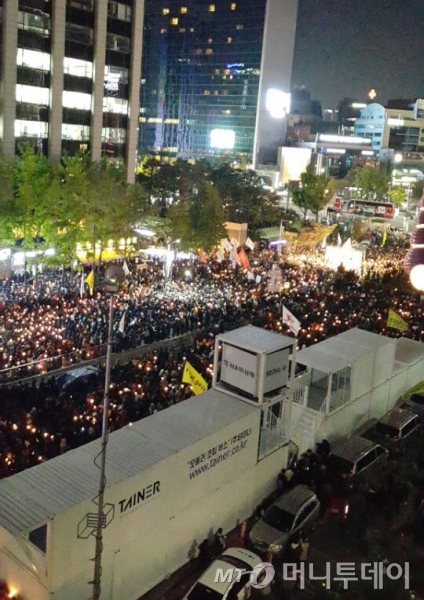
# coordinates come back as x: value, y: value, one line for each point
x: 177, y: 584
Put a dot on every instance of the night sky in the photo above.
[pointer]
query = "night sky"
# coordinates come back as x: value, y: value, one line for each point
x: 346, y: 47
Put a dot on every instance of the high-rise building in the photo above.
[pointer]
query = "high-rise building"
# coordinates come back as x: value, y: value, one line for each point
x: 70, y: 76
x: 216, y: 78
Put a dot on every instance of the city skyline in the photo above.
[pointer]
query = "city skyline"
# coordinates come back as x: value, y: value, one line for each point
x: 343, y: 50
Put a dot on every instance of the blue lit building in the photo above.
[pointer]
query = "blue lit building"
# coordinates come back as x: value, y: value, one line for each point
x: 210, y: 69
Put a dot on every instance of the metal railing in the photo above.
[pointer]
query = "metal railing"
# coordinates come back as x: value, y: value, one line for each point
x: 300, y: 393
x: 96, y: 355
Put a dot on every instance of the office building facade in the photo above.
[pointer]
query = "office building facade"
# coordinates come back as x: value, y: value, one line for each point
x: 70, y: 77
x: 400, y: 130
x: 216, y: 78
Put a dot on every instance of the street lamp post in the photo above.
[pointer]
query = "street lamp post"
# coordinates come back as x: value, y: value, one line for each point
x: 114, y: 277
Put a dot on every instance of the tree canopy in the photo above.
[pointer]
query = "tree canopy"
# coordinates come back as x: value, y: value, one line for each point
x: 313, y: 193
x: 79, y: 201
x: 372, y: 182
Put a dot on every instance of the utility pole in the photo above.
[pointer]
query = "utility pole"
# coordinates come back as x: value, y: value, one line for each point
x: 114, y: 277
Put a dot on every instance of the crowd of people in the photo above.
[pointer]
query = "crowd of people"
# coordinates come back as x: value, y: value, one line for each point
x: 51, y: 326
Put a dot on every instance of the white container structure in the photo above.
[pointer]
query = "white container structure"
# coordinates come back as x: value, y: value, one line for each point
x: 348, y: 379
x: 171, y: 479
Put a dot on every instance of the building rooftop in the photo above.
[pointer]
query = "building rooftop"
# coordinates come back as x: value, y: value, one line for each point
x: 257, y: 339
x: 29, y: 499
x: 409, y: 351
x: 342, y: 350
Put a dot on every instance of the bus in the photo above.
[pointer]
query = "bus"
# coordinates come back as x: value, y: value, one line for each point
x: 371, y: 208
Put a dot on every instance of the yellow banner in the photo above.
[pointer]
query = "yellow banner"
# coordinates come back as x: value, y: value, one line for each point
x: 396, y: 321
x: 191, y: 376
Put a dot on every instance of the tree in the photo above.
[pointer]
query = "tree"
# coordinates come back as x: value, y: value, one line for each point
x: 372, y: 182
x: 108, y: 210
x: 418, y: 190
x: 6, y: 202
x: 312, y: 194
x: 33, y: 177
x: 69, y: 193
x: 31, y: 209
x: 198, y: 220
x: 397, y: 195
x: 244, y: 198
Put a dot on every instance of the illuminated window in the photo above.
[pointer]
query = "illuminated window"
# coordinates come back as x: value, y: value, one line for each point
x: 210, y: 40
x: 233, y: 6
x: 174, y: 21
x: 142, y: 119
x: 32, y: 95
x: 229, y: 40
x: 216, y: 93
x: 37, y: 129
x: 115, y: 105
x: 182, y: 29
x: 165, y: 11
x: 76, y: 100
x: 222, y: 138
x: 239, y: 26
x: 163, y: 30
x: 211, y: 8
x: 75, y: 132
x: 114, y: 135
x: 33, y: 59
x: 206, y: 93
x: 208, y: 51
x: 183, y: 10
x: 199, y: 51
x: 191, y: 29
x: 119, y: 11
x: 216, y: 71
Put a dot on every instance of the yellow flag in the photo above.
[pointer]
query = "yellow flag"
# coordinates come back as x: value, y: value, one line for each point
x: 191, y: 376
x: 384, y: 239
x: 89, y: 280
x: 396, y: 321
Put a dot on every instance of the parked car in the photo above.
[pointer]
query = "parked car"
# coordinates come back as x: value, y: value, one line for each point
x: 361, y: 459
x: 415, y: 404
x: 396, y: 430
x: 295, y: 511
x: 207, y: 588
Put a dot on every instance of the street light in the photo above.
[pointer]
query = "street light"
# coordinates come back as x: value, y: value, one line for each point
x: 114, y: 277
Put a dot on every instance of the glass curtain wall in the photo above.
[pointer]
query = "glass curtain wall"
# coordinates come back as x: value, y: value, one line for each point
x: 200, y: 78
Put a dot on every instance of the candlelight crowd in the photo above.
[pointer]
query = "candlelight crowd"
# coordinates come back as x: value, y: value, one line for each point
x: 51, y: 326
